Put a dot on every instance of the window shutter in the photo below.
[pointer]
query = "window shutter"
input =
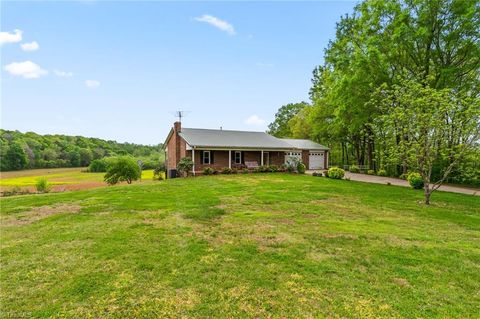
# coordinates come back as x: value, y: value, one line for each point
x: 201, y: 157
x: 211, y: 157
x: 242, y: 154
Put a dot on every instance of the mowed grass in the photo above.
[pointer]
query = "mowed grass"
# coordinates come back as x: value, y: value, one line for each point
x: 260, y: 245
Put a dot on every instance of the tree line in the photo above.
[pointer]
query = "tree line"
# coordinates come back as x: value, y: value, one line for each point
x: 398, y: 90
x: 30, y: 150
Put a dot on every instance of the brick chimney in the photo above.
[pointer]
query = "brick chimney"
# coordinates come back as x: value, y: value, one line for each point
x: 177, y: 127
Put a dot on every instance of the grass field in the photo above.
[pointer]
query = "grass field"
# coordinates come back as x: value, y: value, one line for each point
x: 255, y: 245
x: 60, y: 178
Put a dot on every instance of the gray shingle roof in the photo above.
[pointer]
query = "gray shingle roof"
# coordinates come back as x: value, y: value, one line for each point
x: 304, y: 144
x: 237, y: 139
x: 242, y: 139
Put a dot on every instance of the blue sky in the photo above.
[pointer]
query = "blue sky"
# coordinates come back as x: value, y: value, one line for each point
x: 119, y: 70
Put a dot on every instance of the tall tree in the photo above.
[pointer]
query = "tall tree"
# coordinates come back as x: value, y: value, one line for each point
x: 420, y: 121
x: 280, y: 127
x: 15, y: 157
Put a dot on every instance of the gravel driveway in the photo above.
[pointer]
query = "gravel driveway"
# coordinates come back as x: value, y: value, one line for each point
x: 401, y: 182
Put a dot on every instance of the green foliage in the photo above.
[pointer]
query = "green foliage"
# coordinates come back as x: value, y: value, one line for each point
x: 301, y: 168
x: 208, y: 171
x: 245, y: 171
x: 415, y: 180
x: 122, y: 169
x: 280, y: 126
x: 354, y: 169
x: 273, y: 168
x: 98, y: 166
x: 335, y: 173
x: 159, y: 171
x: 226, y: 170
x: 29, y: 150
x: 382, y: 172
x: 370, y: 172
x: 185, y: 166
x: 42, y: 185
x: 15, y: 158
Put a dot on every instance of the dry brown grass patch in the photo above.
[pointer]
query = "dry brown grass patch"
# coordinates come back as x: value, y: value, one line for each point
x: 39, y: 213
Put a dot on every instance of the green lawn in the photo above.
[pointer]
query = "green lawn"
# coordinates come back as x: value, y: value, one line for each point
x: 257, y: 245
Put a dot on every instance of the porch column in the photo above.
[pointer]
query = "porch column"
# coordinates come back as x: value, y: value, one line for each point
x: 229, y: 158
x: 261, y: 159
x: 193, y: 160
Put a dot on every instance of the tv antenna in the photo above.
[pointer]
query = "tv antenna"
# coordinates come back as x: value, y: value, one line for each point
x: 181, y: 114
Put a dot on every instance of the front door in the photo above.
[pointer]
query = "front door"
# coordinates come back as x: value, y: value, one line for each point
x: 266, y: 158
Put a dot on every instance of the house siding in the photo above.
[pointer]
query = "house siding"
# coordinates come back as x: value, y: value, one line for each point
x: 176, y: 147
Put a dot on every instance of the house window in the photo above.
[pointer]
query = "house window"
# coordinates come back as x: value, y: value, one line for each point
x: 238, y: 157
x: 206, y: 157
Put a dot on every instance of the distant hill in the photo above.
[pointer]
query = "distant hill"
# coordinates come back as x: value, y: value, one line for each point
x: 30, y: 150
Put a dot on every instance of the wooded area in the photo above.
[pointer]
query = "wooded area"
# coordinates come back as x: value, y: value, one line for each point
x: 399, y: 90
x: 31, y: 150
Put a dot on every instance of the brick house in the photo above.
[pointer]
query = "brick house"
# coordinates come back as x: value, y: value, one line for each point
x: 234, y: 149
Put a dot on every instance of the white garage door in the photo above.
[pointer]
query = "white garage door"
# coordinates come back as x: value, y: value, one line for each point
x: 289, y: 156
x: 316, y: 160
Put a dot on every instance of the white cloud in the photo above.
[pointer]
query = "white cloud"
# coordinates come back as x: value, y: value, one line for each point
x: 254, y: 120
x: 32, y: 46
x: 63, y: 74
x: 93, y: 84
x: 218, y: 23
x: 7, y: 37
x: 27, y: 69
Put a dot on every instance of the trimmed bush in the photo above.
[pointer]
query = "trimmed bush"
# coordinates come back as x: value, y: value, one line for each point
x: 354, y: 169
x: 370, y: 172
x: 403, y: 176
x: 245, y: 171
x: 382, y: 172
x: 208, y: 171
x: 415, y: 180
x: 226, y: 170
x: 336, y: 173
x: 185, y: 165
x: 301, y: 168
x: 42, y: 185
x: 273, y: 168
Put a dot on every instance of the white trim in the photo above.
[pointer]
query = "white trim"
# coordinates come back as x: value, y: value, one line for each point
x: 239, y: 157
x: 209, y: 158
x: 261, y: 159
x: 229, y: 159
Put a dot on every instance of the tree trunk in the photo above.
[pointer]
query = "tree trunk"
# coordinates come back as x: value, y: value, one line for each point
x: 427, y: 195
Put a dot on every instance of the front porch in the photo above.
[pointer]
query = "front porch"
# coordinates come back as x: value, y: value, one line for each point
x: 235, y: 159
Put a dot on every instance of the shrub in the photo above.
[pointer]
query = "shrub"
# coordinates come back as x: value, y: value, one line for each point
x: 159, y: 171
x: 317, y: 174
x: 273, y: 168
x: 354, y: 169
x: 289, y: 167
x: 42, y: 185
x: 98, y: 165
x: 185, y: 166
x: 403, y: 176
x: 415, y: 180
x: 245, y: 171
x: 121, y: 169
x: 336, y: 173
x: 382, y: 172
x: 226, y: 170
x: 371, y: 172
x: 208, y: 171
x: 301, y: 168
